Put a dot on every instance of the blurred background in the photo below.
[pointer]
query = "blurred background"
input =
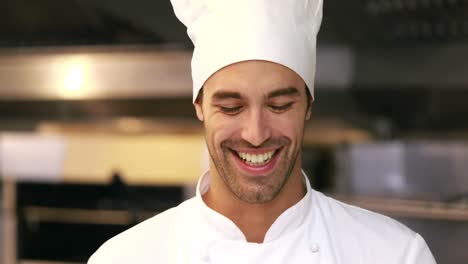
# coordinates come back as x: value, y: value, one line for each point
x: 98, y: 132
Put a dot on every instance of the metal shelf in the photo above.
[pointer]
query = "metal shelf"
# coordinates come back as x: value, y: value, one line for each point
x: 410, y: 208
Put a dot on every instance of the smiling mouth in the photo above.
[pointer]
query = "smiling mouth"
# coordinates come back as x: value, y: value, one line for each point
x: 258, y: 159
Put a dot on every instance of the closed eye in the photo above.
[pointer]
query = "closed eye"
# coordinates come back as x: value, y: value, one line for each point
x: 281, y: 108
x: 230, y: 110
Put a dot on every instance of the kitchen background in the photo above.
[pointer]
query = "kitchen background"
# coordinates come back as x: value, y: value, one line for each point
x: 97, y: 129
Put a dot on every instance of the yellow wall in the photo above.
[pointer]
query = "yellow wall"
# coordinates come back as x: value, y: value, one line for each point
x: 141, y: 159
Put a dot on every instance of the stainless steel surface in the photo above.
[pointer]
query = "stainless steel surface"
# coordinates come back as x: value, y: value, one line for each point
x: 84, y: 216
x: 419, y: 169
x: 94, y: 73
x: 412, y: 209
x: 46, y: 262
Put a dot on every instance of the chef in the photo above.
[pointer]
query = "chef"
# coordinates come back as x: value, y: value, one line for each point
x: 253, y: 71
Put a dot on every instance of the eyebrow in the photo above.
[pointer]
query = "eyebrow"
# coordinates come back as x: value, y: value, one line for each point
x: 226, y: 95
x: 288, y: 91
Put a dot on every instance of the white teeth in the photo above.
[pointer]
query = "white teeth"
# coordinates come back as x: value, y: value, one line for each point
x: 256, y: 159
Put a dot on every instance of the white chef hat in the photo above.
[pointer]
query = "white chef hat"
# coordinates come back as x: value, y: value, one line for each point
x: 230, y: 31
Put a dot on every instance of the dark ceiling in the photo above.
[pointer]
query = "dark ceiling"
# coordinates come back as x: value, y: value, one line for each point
x: 88, y: 22
x: 91, y: 22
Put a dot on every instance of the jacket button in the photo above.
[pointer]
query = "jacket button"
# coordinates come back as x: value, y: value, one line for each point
x: 314, y: 247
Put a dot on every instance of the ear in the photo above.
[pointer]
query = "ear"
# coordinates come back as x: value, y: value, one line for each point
x: 199, y: 110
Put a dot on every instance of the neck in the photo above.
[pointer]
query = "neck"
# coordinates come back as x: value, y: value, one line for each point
x: 254, y: 220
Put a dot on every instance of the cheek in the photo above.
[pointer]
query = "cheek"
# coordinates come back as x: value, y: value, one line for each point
x: 290, y: 126
x: 219, y: 129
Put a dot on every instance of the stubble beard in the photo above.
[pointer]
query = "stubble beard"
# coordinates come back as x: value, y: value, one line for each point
x: 254, y: 190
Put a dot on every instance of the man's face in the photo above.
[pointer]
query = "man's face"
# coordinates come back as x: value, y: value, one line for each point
x: 254, y: 113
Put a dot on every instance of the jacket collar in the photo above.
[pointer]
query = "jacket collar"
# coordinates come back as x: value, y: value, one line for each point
x: 290, y: 220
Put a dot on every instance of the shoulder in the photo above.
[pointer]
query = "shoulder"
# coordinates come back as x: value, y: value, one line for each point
x: 365, y: 221
x: 139, y: 241
x: 371, y: 236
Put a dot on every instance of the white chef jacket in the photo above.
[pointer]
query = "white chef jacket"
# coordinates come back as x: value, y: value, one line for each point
x: 318, y: 229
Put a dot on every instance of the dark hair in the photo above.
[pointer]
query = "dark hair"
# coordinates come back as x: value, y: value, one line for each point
x: 309, y: 97
x: 199, y: 98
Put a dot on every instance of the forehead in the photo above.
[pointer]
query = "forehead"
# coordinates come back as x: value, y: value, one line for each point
x: 253, y: 79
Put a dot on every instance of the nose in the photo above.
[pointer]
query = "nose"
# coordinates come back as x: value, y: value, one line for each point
x: 256, y: 128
